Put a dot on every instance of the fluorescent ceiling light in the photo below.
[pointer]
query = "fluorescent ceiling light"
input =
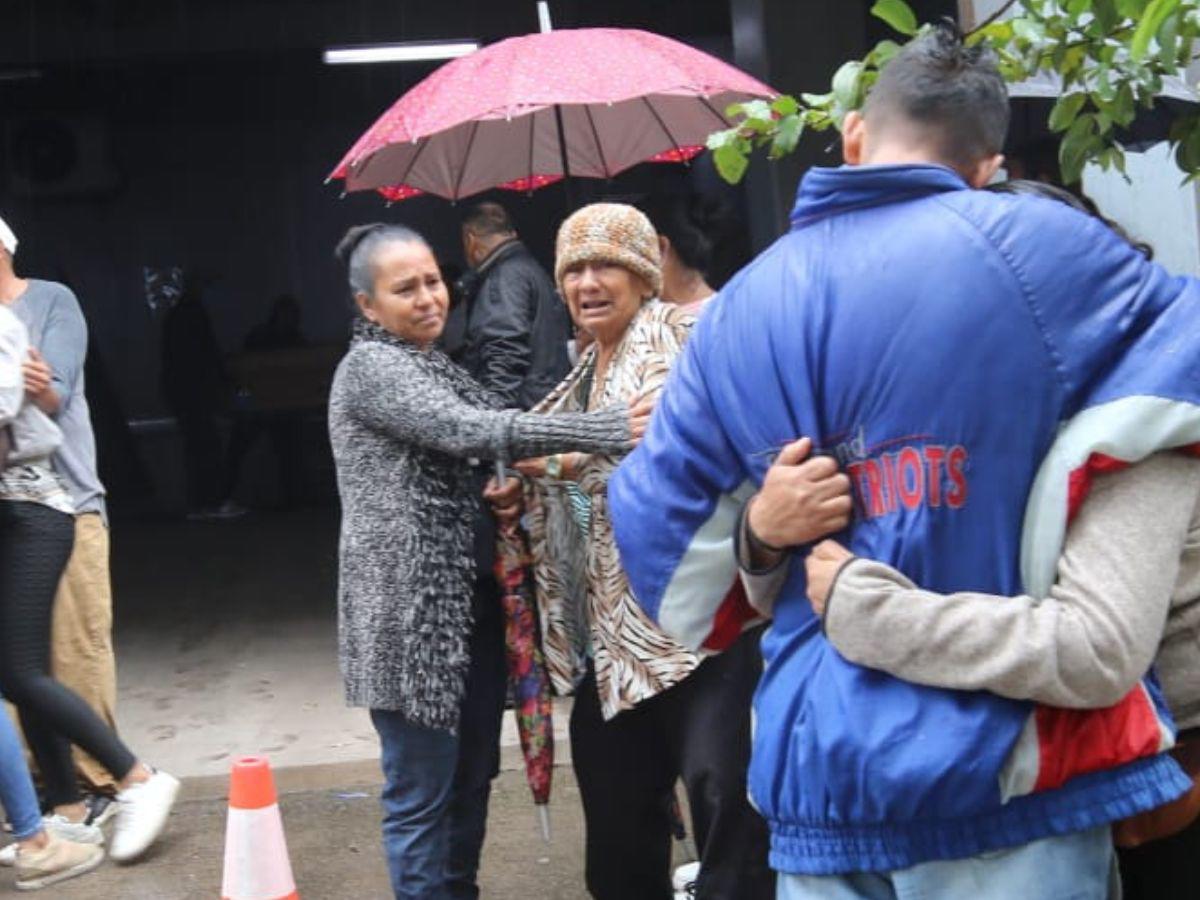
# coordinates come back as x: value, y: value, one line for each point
x: 20, y: 74
x: 410, y: 51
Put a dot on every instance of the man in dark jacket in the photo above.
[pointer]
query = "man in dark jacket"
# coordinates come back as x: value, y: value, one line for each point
x: 516, y: 328
x: 510, y: 331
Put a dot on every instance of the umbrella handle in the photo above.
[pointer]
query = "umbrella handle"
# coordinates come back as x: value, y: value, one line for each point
x: 501, y: 473
x: 544, y: 819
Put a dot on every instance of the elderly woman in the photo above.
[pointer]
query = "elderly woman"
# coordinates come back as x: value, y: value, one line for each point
x: 647, y: 711
x: 405, y: 422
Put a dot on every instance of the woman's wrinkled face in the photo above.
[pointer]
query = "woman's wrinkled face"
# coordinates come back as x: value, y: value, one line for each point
x: 603, y: 298
x: 409, y: 298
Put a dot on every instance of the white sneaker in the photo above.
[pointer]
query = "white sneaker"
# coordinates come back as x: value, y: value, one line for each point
x: 142, y: 812
x: 59, y: 860
x: 75, y: 832
x: 684, y: 880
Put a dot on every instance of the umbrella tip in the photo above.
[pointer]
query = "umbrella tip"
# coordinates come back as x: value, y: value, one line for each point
x: 544, y: 818
x: 342, y: 195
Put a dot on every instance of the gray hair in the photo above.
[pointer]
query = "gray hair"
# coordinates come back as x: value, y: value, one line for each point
x: 361, y: 244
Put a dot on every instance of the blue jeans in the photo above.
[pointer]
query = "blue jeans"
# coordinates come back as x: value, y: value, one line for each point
x: 16, y: 787
x: 480, y: 718
x: 1070, y: 867
x: 418, y: 766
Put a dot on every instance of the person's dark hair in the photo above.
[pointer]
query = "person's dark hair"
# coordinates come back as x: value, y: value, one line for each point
x: 488, y: 220
x: 1080, y: 202
x: 693, y: 224
x: 951, y: 91
x: 358, y: 247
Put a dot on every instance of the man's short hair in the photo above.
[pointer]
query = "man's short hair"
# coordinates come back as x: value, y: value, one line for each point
x: 952, y: 92
x: 488, y: 220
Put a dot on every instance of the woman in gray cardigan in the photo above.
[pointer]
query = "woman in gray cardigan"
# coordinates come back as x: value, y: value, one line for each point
x: 405, y: 423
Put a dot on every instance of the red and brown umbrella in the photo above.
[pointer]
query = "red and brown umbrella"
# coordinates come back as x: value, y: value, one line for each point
x: 527, y: 111
x: 527, y: 673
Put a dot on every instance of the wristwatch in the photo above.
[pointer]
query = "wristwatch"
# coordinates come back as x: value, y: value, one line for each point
x: 554, y: 466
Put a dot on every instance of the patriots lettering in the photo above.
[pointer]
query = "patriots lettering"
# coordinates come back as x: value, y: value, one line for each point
x: 931, y: 475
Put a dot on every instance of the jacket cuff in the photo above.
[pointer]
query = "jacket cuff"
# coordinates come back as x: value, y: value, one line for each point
x: 741, y: 548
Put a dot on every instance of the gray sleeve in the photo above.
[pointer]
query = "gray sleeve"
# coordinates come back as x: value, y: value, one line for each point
x: 1084, y: 646
x: 393, y: 395
x: 64, y: 342
x: 762, y: 585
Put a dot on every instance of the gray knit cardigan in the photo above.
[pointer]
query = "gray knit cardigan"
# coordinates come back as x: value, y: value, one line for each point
x: 403, y: 423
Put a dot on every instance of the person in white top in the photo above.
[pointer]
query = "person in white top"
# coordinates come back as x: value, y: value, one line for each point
x: 36, y: 535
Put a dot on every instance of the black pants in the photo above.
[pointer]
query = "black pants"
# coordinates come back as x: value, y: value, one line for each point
x: 479, y: 743
x: 203, y: 457
x: 286, y: 434
x: 35, y: 543
x: 1165, y: 869
x: 699, y: 731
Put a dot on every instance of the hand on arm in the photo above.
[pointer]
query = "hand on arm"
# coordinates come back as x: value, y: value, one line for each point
x: 801, y: 500
x: 1084, y: 646
x: 822, y: 567
x: 39, y: 383
x: 639, y: 417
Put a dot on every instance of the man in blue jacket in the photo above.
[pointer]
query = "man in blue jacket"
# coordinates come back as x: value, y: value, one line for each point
x: 942, y: 343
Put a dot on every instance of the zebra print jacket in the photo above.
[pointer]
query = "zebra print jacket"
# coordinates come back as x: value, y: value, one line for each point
x: 585, y: 603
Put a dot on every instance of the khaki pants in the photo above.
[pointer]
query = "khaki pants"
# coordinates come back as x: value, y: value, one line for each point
x: 81, y: 648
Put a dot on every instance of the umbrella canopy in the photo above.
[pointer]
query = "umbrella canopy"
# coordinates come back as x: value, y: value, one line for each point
x: 527, y: 111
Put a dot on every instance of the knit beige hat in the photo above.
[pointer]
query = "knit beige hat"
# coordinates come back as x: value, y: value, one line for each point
x: 610, y: 232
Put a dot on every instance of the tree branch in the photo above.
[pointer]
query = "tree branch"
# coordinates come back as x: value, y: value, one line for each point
x: 992, y: 18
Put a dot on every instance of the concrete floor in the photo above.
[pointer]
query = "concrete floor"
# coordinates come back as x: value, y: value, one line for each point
x: 333, y: 843
x: 226, y: 642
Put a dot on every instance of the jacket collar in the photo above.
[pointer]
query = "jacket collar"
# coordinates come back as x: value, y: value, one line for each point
x: 365, y: 330
x: 827, y: 192
x: 501, y: 251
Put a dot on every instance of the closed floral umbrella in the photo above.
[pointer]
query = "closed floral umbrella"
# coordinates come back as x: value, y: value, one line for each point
x: 530, y: 110
x: 527, y: 674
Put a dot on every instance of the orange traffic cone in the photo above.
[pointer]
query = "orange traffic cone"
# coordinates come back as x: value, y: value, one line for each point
x: 256, y: 856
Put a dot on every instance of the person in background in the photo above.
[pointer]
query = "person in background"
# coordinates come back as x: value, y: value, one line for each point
x: 41, y: 856
x: 36, y: 536
x: 404, y: 423
x: 517, y: 330
x: 284, y: 427
x: 82, y: 656
x: 647, y: 712
x: 511, y: 334
x: 198, y: 389
x: 689, y: 229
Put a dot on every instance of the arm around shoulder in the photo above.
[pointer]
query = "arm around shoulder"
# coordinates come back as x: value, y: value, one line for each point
x: 1084, y: 646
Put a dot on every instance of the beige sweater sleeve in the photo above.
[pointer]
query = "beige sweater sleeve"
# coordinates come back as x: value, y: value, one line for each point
x: 1084, y: 646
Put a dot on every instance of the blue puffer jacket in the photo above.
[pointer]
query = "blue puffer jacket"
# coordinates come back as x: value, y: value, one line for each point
x: 944, y: 343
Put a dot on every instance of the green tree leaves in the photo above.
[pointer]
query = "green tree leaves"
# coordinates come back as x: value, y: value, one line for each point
x: 1151, y: 21
x: 898, y: 14
x: 1110, y: 55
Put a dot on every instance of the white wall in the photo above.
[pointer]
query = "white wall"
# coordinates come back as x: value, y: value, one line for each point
x: 1152, y: 206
